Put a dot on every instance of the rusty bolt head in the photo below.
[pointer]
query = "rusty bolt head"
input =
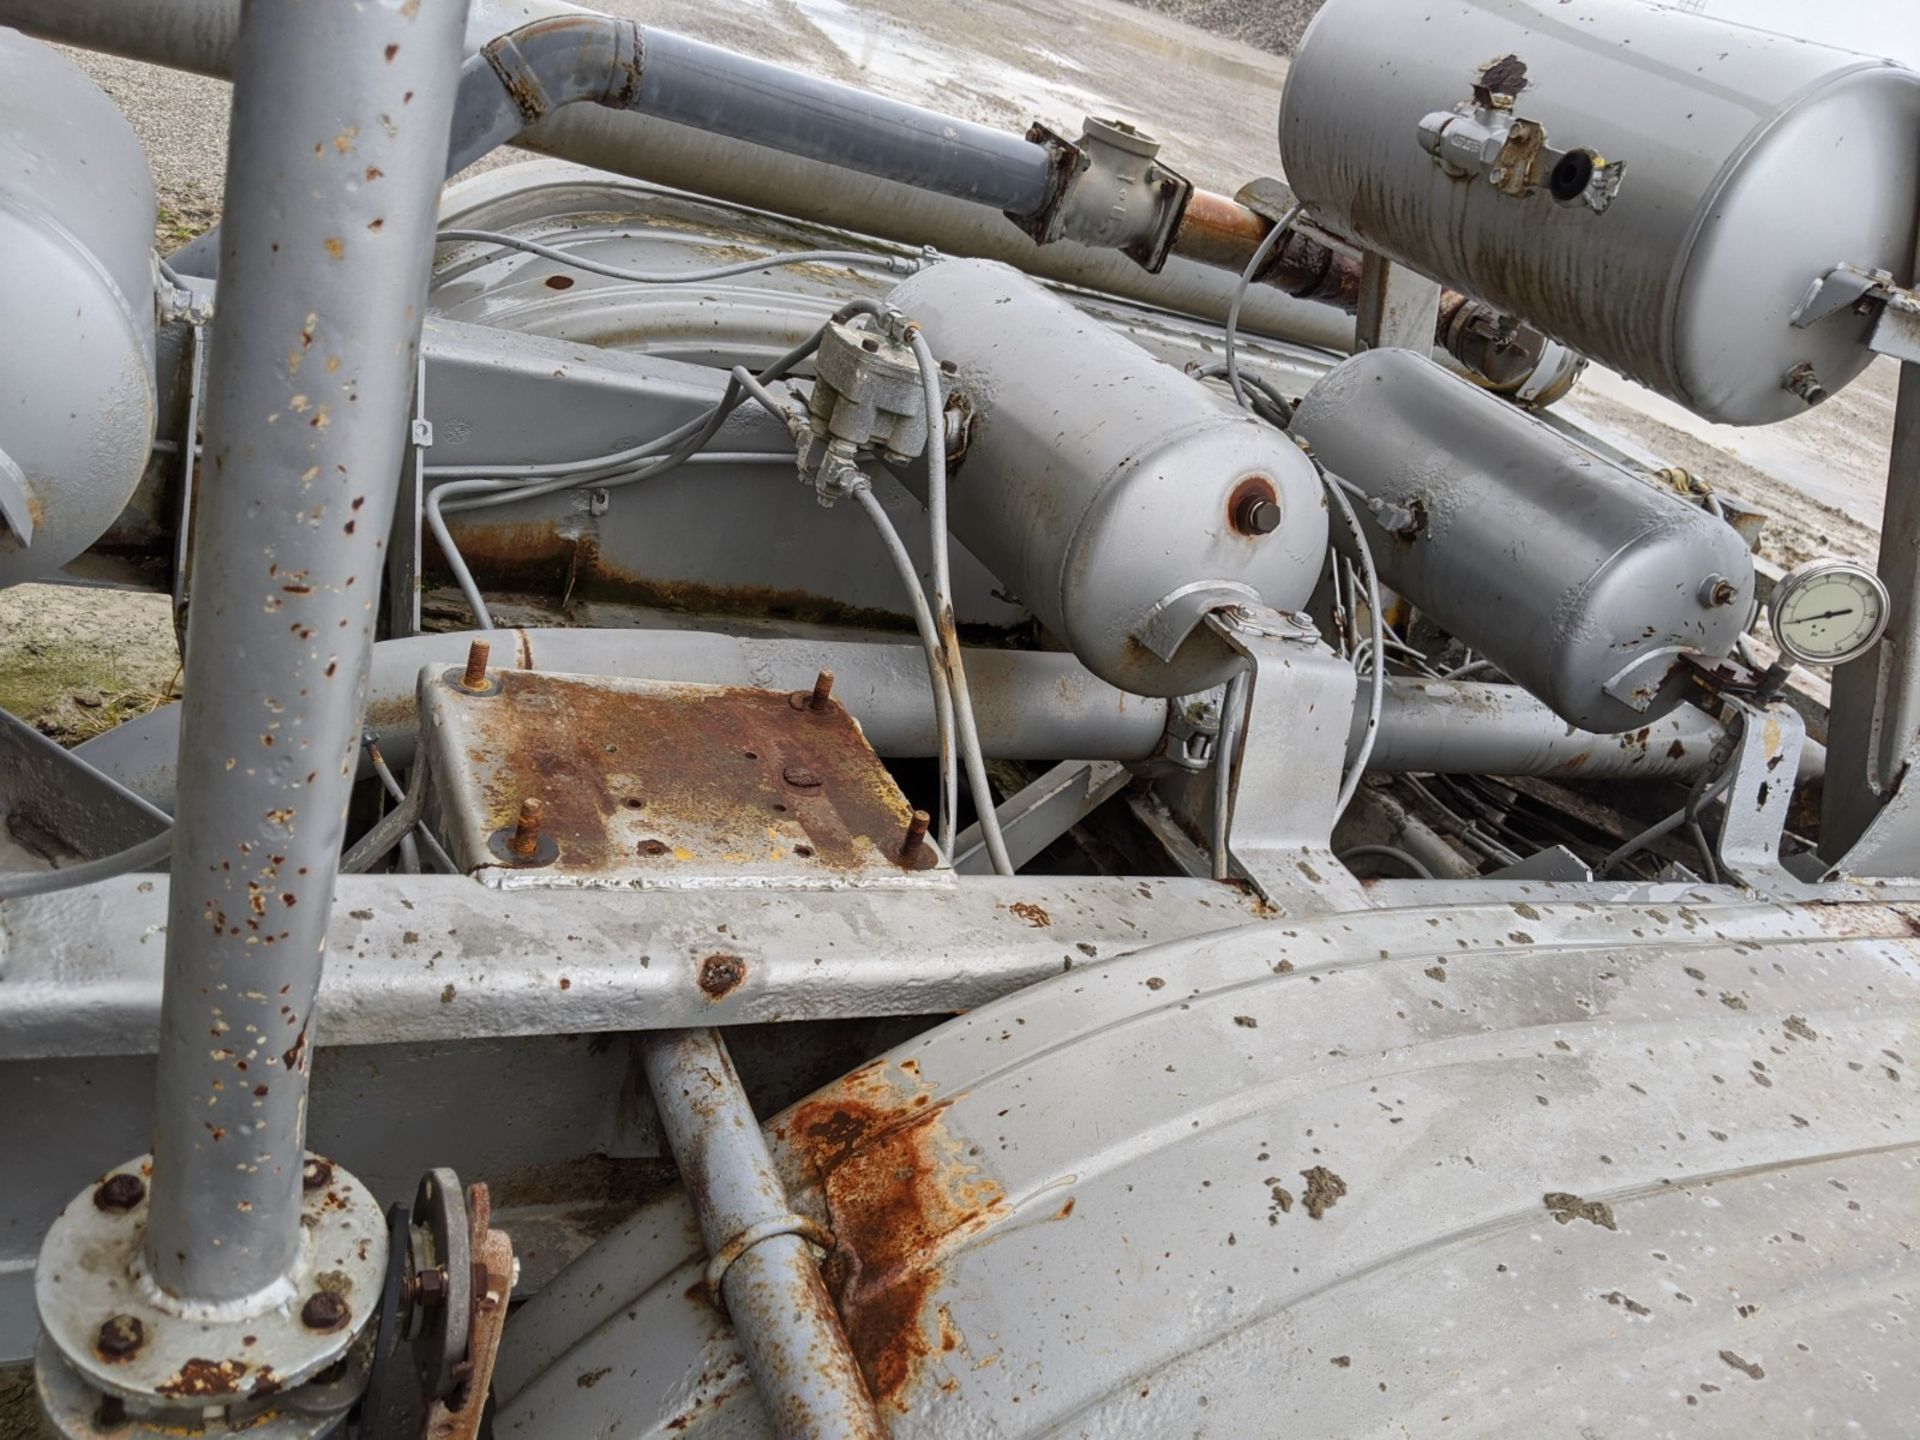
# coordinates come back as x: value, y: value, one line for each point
x: 800, y: 777
x: 121, y: 1336
x: 526, y: 832
x: 324, y: 1310
x: 916, y: 834
x: 474, y: 677
x: 119, y: 1193
x: 316, y: 1174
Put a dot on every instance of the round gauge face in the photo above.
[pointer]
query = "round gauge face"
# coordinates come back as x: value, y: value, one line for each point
x: 1829, y: 612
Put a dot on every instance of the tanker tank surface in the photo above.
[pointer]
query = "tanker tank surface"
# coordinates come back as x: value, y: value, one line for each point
x: 845, y: 774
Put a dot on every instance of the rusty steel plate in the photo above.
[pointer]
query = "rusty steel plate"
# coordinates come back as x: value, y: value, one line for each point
x: 645, y: 782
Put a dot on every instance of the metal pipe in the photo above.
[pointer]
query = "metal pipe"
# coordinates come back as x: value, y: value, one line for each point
x: 1028, y: 705
x: 336, y: 153
x: 762, y: 1269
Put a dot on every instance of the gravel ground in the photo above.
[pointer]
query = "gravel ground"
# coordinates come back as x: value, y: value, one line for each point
x: 1274, y: 25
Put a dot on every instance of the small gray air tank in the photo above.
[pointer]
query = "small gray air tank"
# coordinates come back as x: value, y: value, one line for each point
x: 1749, y: 165
x: 1585, y: 584
x: 1120, y: 499
x: 77, y: 403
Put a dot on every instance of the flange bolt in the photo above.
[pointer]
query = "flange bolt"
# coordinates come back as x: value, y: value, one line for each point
x: 121, y: 1336
x: 120, y: 1192
x: 324, y: 1310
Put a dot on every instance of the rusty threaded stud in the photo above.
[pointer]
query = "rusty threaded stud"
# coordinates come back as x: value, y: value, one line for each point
x: 916, y: 835
x: 526, y: 831
x: 121, y: 1336
x: 324, y: 1310
x: 474, y: 677
x: 822, y: 690
x: 316, y: 1174
x: 119, y: 1193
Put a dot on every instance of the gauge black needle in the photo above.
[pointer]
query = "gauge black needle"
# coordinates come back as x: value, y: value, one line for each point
x: 1824, y: 615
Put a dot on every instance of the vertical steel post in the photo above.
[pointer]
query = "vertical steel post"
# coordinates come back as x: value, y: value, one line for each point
x: 762, y: 1269
x: 339, y: 142
x: 1873, y: 728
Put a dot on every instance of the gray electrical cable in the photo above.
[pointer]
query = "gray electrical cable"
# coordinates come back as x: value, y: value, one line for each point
x: 17, y: 885
x: 1705, y: 791
x: 1376, y: 697
x: 970, y: 755
x: 936, y: 672
x: 1388, y: 852
x: 1259, y: 258
x: 894, y: 264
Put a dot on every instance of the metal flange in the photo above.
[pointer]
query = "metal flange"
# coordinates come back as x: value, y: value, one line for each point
x: 113, y: 1335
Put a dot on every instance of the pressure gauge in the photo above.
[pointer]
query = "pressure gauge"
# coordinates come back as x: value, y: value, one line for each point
x: 1827, y: 612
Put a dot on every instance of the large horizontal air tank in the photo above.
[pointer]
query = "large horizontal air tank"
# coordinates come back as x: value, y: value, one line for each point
x: 77, y: 401
x: 1587, y: 585
x: 1120, y: 499
x: 1749, y: 165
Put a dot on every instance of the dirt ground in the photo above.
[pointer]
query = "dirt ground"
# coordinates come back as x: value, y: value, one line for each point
x: 74, y: 662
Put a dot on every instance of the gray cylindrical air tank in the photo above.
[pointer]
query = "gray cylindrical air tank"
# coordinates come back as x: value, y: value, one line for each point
x: 1584, y: 583
x: 1748, y: 166
x: 77, y: 401
x: 1120, y: 499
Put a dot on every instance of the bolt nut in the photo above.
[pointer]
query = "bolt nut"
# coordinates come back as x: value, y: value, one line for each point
x: 121, y: 1336
x: 119, y: 1193
x: 324, y: 1310
x: 1717, y: 590
x: 800, y: 777
x: 428, y: 1289
x: 316, y: 1174
x: 1257, y: 515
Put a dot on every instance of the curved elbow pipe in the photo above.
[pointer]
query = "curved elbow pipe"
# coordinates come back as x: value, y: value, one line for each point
x: 523, y: 76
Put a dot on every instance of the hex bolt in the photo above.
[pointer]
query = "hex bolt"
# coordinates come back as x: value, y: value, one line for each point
x: 1257, y: 516
x: 121, y: 1336
x: 800, y: 777
x: 474, y: 677
x: 428, y: 1289
x: 316, y: 1174
x: 526, y: 832
x: 324, y: 1310
x: 120, y: 1193
x: 916, y: 835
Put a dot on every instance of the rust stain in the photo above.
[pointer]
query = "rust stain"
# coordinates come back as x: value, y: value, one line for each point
x: 704, y: 764
x: 899, y: 1193
x: 1031, y: 913
x: 721, y: 975
x: 204, y: 1377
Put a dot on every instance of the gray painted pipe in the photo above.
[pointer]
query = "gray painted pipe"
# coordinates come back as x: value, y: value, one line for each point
x: 1029, y: 705
x: 198, y: 35
x: 337, y: 148
x: 780, y: 1310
